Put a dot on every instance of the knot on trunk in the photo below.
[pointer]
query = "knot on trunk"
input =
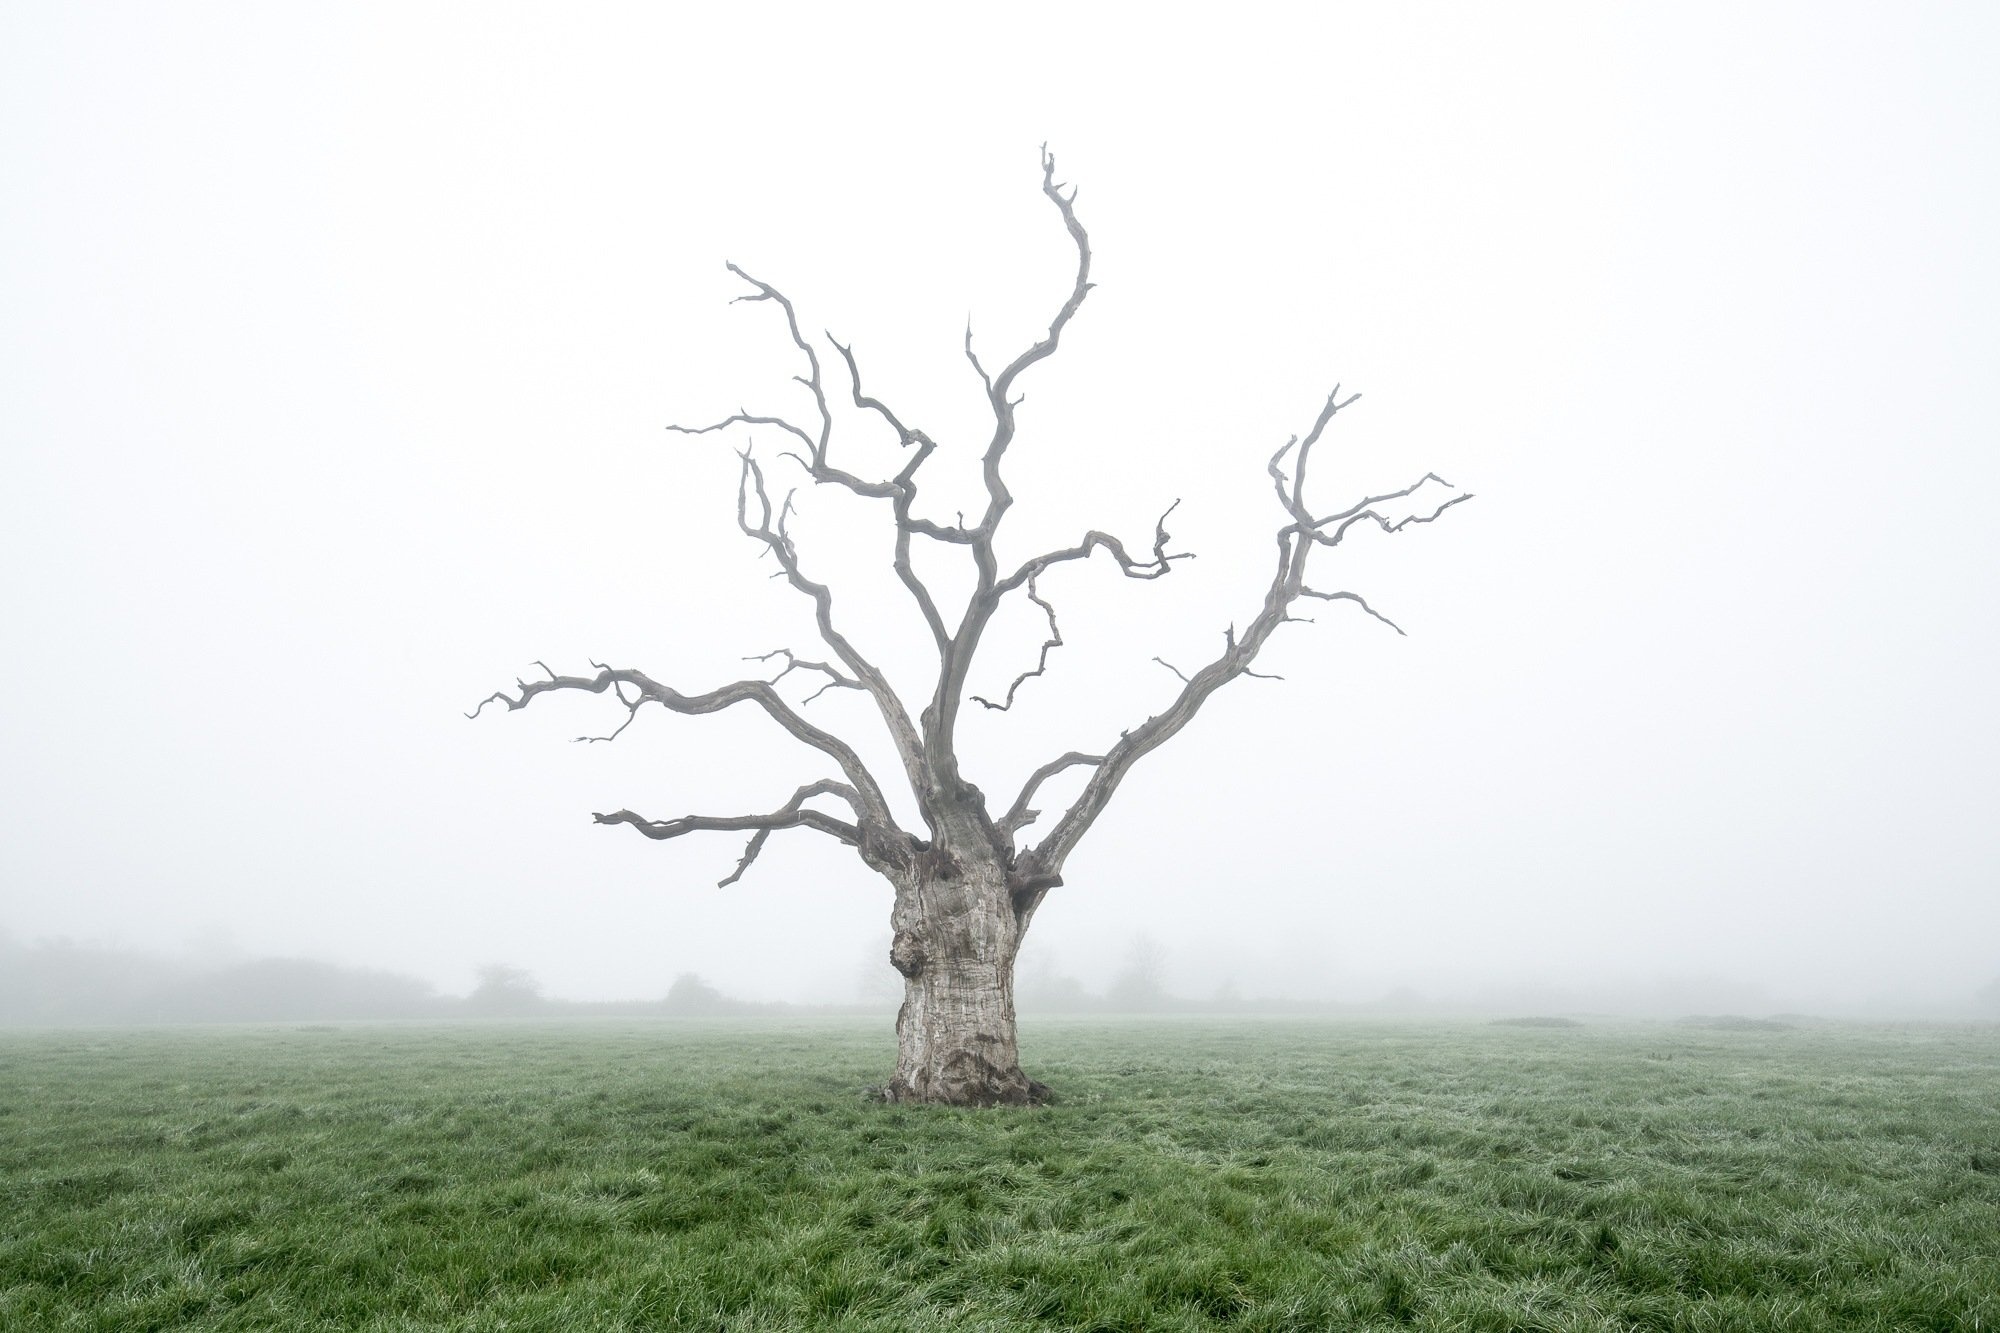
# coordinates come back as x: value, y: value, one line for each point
x: 906, y: 953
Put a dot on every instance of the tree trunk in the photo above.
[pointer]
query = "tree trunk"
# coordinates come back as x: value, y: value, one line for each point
x: 957, y: 934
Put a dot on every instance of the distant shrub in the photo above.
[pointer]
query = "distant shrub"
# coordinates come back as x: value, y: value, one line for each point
x: 1537, y: 1021
x: 505, y: 990
x: 691, y: 995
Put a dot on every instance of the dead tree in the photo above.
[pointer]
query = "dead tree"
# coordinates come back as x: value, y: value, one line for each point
x: 968, y: 885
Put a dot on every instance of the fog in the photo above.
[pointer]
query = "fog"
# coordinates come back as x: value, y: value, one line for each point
x: 339, y: 345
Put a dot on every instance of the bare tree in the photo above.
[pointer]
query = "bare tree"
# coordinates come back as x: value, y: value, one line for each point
x: 967, y: 887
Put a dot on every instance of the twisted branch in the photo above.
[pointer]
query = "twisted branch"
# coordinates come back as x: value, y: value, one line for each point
x: 1296, y: 541
x: 867, y: 793
x: 1019, y: 816
x: 1161, y: 563
x: 792, y: 814
x: 1000, y: 387
x: 1049, y: 645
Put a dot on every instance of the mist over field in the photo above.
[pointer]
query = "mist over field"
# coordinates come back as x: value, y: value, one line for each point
x: 339, y: 347
x: 67, y: 983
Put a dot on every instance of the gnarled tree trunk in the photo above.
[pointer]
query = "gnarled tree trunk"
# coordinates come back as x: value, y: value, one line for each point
x: 958, y: 927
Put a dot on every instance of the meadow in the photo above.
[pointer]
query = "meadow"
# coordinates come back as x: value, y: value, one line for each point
x: 1247, y: 1174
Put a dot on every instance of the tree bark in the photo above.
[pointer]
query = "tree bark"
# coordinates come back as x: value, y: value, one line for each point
x: 957, y: 931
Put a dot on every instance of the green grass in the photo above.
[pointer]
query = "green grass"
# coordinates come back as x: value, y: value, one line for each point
x: 1249, y: 1175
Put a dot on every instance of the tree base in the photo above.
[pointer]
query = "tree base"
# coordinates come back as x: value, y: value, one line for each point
x: 967, y: 1080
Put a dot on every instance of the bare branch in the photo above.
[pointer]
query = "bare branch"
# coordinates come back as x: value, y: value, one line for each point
x: 999, y: 389
x: 1295, y: 541
x: 793, y: 662
x: 903, y: 486
x: 1279, y: 480
x: 1365, y: 511
x: 1334, y: 403
x: 777, y: 540
x: 869, y: 404
x: 766, y: 292
x: 815, y: 461
x: 792, y: 814
x: 1049, y: 645
x: 868, y: 799
x: 1094, y: 540
x: 973, y: 357
x: 1355, y: 598
x: 750, y: 853
x: 631, y: 712
x: 745, y: 419
x: 1019, y: 816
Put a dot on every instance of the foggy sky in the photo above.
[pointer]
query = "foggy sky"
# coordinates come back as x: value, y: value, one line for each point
x: 339, y: 343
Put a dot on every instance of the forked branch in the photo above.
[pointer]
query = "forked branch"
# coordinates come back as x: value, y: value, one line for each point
x: 864, y: 792
x: 1020, y: 815
x: 1296, y: 541
x: 769, y: 525
x: 1094, y: 540
x: 792, y: 814
x: 793, y: 662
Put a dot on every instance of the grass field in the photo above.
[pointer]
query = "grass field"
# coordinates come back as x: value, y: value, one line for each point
x: 1249, y: 1175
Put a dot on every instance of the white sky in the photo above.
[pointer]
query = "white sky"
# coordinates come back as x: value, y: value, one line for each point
x: 336, y: 343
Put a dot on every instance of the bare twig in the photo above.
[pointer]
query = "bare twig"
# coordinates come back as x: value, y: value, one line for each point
x: 793, y: 662
x: 973, y: 357
x: 1355, y: 598
x: 1049, y: 645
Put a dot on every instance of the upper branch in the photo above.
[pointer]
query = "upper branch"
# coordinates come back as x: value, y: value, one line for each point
x: 999, y: 388
x: 900, y: 490
x: 770, y: 527
x: 941, y: 716
x: 903, y: 487
x: 1094, y: 540
x: 817, y: 443
x: 1296, y: 541
x: 1365, y: 512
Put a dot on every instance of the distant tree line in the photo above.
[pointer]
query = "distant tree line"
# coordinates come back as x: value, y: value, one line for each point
x: 61, y: 983
x: 64, y: 983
